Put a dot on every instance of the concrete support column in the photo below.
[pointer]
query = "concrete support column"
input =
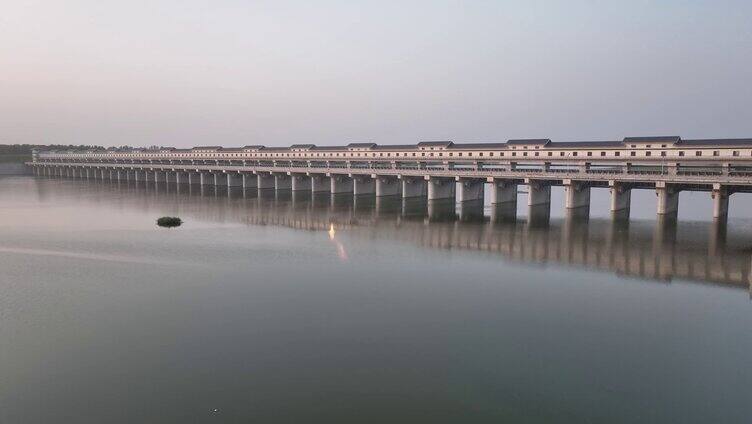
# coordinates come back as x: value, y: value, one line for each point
x: 194, y: 178
x: 206, y: 178
x: 668, y: 198
x: 720, y: 196
x: 234, y: 180
x: 413, y: 187
x: 539, y: 192
x: 282, y: 182
x: 181, y: 177
x: 621, y: 196
x: 87, y: 173
x: 576, y: 194
x: 119, y: 175
x: 250, y: 181
x: 387, y: 186
x: 149, y: 176
x: 469, y: 189
x: 159, y: 177
x: 301, y: 182
x: 363, y: 184
x: 503, y: 191
x: 320, y: 184
x: 265, y: 181
x: 440, y: 188
x: 341, y: 184
x: 220, y: 179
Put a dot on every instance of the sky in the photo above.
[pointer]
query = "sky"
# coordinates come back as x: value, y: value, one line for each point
x: 233, y: 73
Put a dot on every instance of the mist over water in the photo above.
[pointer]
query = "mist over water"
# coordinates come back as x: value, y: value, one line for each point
x: 280, y: 307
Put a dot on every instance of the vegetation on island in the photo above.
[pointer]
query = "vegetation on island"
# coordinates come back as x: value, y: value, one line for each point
x: 169, y: 221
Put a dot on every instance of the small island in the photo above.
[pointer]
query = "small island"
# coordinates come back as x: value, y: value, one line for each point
x: 169, y: 221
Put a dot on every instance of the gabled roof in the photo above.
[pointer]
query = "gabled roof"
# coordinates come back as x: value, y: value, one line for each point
x: 529, y: 142
x: 717, y: 142
x: 394, y: 147
x: 592, y: 144
x: 653, y: 139
x: 361, y: 145
x: 435, y: 144
x: 329, y: 148
x: 207, y: 148
x: 302, y: 146
x: 494, y: 145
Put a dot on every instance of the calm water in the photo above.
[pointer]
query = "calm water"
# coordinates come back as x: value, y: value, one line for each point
x: 282, y: 309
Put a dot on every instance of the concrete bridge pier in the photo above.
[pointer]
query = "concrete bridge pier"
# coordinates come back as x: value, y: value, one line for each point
x: 264, y: 181
x: 341, y: 184
x: 720, y: 196
x: 320, y: 184
x: 668, y: 198
x: 502, y: 191
x: 717, y: 236
x: 282, y: 182
x: 149, y: 176
x: 471, y: 210
x: 363, y: 184
x: 440, y: 210
x: 220, y: 180
x: 470, y: 189
x: 234, y: 179
x: 440, y: 188
x: 621, y: 196
x: 539, y: 215
x: 576, y: 194
x: 504, y: 212
x: 160, y: 177
x: 413, y: 187
x: 539, y: 193
x: 387, y: 186
x: 301, y: 182
x: 250, y: 181
x: 181, y: 177
x: 206, y: 179
x: 194, y: 178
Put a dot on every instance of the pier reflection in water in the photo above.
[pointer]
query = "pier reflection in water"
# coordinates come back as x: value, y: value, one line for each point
x: 661, y: 250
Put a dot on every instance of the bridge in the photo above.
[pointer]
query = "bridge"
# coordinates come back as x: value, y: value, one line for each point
x: 436, y: 170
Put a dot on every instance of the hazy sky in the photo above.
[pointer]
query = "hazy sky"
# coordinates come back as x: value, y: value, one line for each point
x: 190, y: 72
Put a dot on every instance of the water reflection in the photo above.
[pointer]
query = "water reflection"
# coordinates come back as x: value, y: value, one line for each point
x: 659, y: 250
